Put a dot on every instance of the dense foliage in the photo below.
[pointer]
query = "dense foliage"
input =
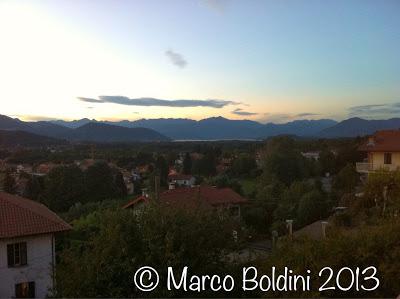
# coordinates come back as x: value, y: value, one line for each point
x: 107, y: 248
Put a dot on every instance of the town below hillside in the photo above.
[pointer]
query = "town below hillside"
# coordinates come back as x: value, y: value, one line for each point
x: 216, y: 207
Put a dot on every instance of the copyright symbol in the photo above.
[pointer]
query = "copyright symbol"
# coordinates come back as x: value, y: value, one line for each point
x: 146, y: 279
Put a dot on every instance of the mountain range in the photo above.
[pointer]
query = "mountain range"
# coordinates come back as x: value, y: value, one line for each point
x: 215, y: 128
x: 355, y: 126
x: 95, y: 132
x: 10, y: 138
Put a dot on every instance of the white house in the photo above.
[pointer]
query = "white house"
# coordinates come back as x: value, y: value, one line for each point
x: 311, y: 155
x: 181, y: 180
x: 27, y: 256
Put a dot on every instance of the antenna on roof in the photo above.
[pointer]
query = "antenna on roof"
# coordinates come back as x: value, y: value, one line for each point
x: 371, y: 141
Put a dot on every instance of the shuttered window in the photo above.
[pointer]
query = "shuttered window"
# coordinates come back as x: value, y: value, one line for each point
x: 388, y: 158
x: 16, y: 254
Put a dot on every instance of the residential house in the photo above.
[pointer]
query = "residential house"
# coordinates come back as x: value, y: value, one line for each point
x: 181, y: 180
x: 85, y: 164
x: 316, y: 230
x: 26, y: 168
x: 311, y: 155
x: 138, y: 203
x: 224, y: 198
x: 259, y: 155
x: 128, y: 180
x: 383, y: 152
x: 44, y: 168
x: 27, y: 255
x: 136, y: 176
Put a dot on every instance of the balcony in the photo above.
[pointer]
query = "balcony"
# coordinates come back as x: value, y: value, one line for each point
x: 390, y: 167
x: 364, y: 167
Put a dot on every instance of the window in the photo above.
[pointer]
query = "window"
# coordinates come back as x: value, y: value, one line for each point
x: 16, y: 254
x: 388, y: 158
x: 25, y: 290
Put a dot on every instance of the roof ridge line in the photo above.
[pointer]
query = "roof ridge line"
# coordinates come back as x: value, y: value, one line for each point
x: 33, y: 212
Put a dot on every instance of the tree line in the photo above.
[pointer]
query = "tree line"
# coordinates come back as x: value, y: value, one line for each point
x: 67, y: 185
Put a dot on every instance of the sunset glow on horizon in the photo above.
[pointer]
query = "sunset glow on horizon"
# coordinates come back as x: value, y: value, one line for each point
x: 260, y: 60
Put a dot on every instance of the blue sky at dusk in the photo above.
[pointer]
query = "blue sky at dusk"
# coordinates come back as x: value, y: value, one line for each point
x: 261, y: 60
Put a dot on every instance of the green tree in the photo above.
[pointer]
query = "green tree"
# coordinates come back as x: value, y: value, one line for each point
x: 347, y: 179
x: 284, y: 161
x: 224, y: 181
x: 243, y: 165
x: 268, y: 197
x: 206, y: 166
x: 63, y: 187
x: 376, y: 246
x: 34, y: 187
x: 121, y: 242
x: 289, y: 203
x: 312, y: 207
x: 187, y: 164
x: 9, y: 183
x: 99, y: 182
x: 382, y: 192
x: 327, y: 160
x: 161, y: 169
x: 119, y: 183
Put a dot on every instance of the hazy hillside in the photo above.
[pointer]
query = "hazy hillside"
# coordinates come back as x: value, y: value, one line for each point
x: 358, y: 127
x: 89, y: 132
x: 298, y: 127
x: 186, y: 129
x: 99, y: 132
x: 220, y: 128
x: 9, y: 138
x: 8, y: 123
x: 74, y: 123
x: 48, y: 129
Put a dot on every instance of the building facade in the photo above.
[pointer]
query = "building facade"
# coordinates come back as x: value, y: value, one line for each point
x: 382, y: 151
x: 27, y: 252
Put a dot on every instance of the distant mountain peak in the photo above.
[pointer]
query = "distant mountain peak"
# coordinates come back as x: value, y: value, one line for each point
x: 356, y: 126
x: 205, y: 129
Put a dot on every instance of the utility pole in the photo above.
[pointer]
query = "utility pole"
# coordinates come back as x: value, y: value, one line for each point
x: 157, y: 188
x: 324, y: 224
x: 289, y: 225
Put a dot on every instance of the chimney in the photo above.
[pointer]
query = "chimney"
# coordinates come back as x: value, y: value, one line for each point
x: 371, y: 141
x: 324, y: 224
x: 289, y: 226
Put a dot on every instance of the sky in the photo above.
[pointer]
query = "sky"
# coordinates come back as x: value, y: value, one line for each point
x: 262, y: 60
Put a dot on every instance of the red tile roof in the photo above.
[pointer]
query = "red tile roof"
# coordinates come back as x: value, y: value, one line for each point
x: 178, y: 176
x: 23, y: 217
x: 132, y: 203
x: 382, y: 141
x: 206, y: 194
